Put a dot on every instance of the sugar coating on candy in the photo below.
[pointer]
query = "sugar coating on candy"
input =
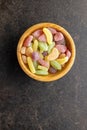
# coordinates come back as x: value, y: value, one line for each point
x: 43, y: 46
x: 48, y: 35
x: 61, y: 48
x: 50, y: 47
x: 30, y: 64
x: 55, y: 65
x: 53, y: 31
x: 35, y: 45
x: 35, y: 56
x: 24, y: 58
x: 27, y: 41
x: 63, y: 60
x: 45, y: 51
x: 41, y: 72
x: 43, y: 62
x: 42, y: 38
x: 53, y: 55
x: 62, y: 55
x: 23, y: 50
x: 58, y: 36
x: 68, y: 53
x: 28, y: 51
x: 37, y: 33
x: 63, y: 42
x: 52, y: 70
x: 42, y: 68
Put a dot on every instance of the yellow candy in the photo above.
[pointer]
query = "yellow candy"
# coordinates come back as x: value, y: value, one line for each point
x: 48, y: 35
x: 62, y: 56
x: 35, y: 45
x: 31, y: 65
x: 29, y: 50
x: 53, y: 55
x: 62, y: 61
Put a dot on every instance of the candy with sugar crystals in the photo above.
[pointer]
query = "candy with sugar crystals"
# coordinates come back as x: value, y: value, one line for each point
x: 48, y: 35
x: 30, y: 64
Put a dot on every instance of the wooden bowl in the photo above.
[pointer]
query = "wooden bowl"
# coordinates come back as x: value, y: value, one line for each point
x: 70, y: 45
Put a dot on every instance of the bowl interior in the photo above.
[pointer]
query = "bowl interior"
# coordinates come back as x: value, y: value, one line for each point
x: 70, y: 45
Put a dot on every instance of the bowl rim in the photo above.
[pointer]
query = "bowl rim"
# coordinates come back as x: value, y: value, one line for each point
x: 52, y: 77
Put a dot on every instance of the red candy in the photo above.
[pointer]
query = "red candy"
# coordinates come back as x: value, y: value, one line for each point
x: 35, y: 56
x: 53, y: 31
x: 58, y: 36
x: 28, y: 41
x: 37, y: 33
x: 52, y: 70
x: 42, y: 38
x: 61, y: 48
x: 43, y: 62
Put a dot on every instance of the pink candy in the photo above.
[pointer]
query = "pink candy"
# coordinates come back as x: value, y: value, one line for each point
x: 37, y: 33
x: 61, y: 48
x: 58, y: 36
x: 43, y: 62
x: 28, y: 41
x: 53, y: 31
x: 35, y: 56
x: 42, y: 38
x: 68, y: 53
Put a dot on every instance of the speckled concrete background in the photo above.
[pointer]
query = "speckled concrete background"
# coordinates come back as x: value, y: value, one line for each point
x: 26, y: 104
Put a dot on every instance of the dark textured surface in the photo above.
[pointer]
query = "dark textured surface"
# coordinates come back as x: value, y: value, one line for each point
x: 26, y: 104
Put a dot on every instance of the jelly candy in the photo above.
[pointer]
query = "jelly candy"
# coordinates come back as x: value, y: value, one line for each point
x: 35, y: 64
x: 61, y: 48
x: 42, y: 68
x: 29, y: 51
x: 58, y: 36
x: 35, y: 56
x: 41, y: 72
x: 24, y: 59
x: 43, y: 46
x: 48, y: 34
x: 62, y: 55
x: 23, y: 49
x: 30, y: 64
x: 37, y: 33
x: 43, y: 63
x: 55, y: 65
x: 63, y: 42
x: 53, y: 55
x: 52, y: 70
x: 50, y: 47
x: 42, y: 38
x: 62, y: 60
x: 45, y: 51
x: 68, y: 53
x: 35, y: 45
x: 53, y: 31
x: 28, y: 41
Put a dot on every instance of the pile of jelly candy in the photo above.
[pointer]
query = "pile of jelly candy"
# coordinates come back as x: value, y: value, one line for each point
x: 45, y: 51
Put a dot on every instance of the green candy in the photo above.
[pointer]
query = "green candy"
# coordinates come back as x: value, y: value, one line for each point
x: 55, y: 65
x: 43, y: 46
x: 41, y: 72
x: 35, y: 64
x: 50, y: 47
x: 42, y: 68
